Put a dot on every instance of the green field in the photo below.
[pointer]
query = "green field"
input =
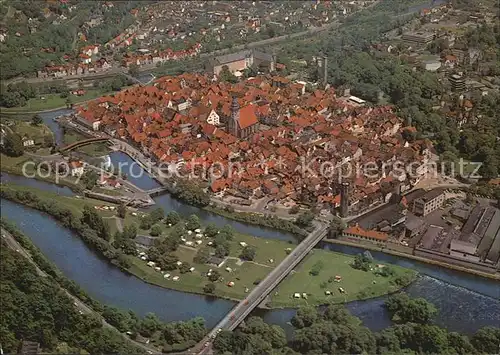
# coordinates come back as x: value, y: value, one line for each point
x: 246, y: 274
x: 74, y: 204
x: 243, y: 275
x: 37, y: 133
x: 52, y: 101
x: 14, y: 165
x: 94, y: 150
x: 357, y: 284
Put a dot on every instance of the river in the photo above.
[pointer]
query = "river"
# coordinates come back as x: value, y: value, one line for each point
x: 168, y: 203
x: 465, y: 302
x: 48, y: 119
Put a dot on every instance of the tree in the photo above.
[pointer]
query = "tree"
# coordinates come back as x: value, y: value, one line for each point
x: 202, y: 256
x: 89, y: 179
x: 54, y: 322
x: 92, y: 219
x: 361, y: 262
x: 388, y: 342
x: 304, y: 317
x: 146, y: 222
x: 248, y: 253
x: 460, y: 343
x: 209, y: 288
x: 405, y: 310
x: 117, y: 318
x: 149, y: 325
x: 305, y: 219
x: 133, y: 69
x: 487, y: 340
x: 13, y: 145
x: 191, y: 193
x: 193, y: 222
x: 226, y: 75
x: 211, y: 230
x: 184, y: 268
x: 431, y: 339
x: 167, y: 262
x: 155, y: 230
x: 214, y: 276
x: 385, y: 271
x: 221, y: 250
x: 295, y: 209
x: 157, y: 215
x: 48, y: 141
x: 223, y: 343
x: 69, y: 102
x: 316, y: 268
x: 36, y: 120
x: 227, y: 232
x: 172, y: 218
x: 121, y: 210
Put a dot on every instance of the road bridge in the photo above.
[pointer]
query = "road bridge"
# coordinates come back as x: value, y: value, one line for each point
x: 264, y: 288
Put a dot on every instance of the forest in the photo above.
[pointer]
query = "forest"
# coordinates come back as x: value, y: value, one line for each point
x: 36, y: 308
x: 39, y: 36
x: 335, y: 331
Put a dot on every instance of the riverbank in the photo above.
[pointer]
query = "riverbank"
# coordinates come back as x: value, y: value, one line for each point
x: 268, y: 220
x: 45, y: 268
x: 460, y: 309
x: 236, y: 277
x: 14, y: 166
x: 50, y: 102
x: 372, y: 247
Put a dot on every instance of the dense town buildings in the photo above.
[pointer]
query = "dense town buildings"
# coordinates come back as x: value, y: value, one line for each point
x: 290, y: 145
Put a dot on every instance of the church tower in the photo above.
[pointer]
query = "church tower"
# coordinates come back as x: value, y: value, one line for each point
x: 233, y: 124
x: 344, y: 199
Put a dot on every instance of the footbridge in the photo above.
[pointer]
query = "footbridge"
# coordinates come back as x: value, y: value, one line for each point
x: 157, y: 191
x: 83, y: 143
x: 264, y: 288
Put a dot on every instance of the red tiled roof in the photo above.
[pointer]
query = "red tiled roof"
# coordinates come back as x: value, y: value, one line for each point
x: 358, y: 231
x: 247, y: 116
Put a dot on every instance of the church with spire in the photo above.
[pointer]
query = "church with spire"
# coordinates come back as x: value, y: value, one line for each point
x: 243, y: 121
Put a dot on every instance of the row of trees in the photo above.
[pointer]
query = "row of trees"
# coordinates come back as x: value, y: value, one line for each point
x: 34, y: 308
x: 90, y: 225
x: 191, y: 193
x: 58, y: 336
x: 335, y: 331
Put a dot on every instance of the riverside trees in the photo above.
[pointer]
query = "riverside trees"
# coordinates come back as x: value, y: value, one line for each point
x: 336, y: 331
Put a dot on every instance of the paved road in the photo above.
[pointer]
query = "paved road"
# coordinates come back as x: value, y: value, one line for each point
x: 259, y: 293
x: 80, y: 306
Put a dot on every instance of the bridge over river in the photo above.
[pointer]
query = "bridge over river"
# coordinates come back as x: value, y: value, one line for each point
x: 264, y: 288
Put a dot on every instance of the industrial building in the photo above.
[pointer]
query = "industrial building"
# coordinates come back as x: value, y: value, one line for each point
x: 428, y: 203
x: 479, y: 239
x: 457, y: 82
x: 237, y: 62
x: 420, y: 37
